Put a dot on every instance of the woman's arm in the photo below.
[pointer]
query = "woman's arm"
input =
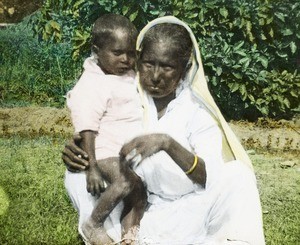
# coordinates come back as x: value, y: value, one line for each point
x: 144, y: 146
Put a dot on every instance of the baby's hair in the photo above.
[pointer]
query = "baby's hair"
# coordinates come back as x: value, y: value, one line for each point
x: 173, y: 34
x: 107, y: 24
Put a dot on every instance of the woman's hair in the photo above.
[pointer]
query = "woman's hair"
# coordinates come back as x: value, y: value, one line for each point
x: 107, y: 24
x: 174, y: 35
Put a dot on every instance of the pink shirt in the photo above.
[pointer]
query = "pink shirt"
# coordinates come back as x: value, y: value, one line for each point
x: 108, y: 104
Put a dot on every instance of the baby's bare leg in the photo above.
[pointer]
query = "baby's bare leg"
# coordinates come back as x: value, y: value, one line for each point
x: 118, y: 188
x: 134, y: 207
x: 95, y: 234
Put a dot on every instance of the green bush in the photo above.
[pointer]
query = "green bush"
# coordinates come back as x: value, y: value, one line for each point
x: 245, y: 45
x: 34, y: 72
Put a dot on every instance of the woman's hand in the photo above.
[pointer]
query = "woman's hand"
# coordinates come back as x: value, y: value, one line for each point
x: 73, y: 156
x: 144, y: 146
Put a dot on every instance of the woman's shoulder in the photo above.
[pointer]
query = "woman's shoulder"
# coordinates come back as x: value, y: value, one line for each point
x: 192, y: 103
x: 190, y: 109
x: 199, y: 113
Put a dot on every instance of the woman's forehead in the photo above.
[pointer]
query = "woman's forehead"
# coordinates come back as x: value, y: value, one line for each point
x: 161, y: 46
x: 160, y: 52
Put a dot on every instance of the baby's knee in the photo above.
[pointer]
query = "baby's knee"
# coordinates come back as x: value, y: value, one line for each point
x: 125, y: 185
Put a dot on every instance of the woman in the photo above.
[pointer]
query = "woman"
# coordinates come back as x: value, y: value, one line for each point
x: 201, y: 187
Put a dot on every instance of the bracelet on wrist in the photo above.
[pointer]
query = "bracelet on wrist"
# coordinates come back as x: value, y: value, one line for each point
x: 193, y: 166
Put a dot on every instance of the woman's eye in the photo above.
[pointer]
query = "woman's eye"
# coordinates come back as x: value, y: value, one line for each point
x: 168, y: 68
x: 117, y: 53
x: 148, y: 65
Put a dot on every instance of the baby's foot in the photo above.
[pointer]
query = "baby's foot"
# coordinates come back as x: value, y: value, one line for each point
x: 94, y: 233
x: 131, y: 236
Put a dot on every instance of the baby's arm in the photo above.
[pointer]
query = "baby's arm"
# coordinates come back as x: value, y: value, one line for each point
x: 95, y: 183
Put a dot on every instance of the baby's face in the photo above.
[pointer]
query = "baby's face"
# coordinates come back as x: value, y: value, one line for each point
x: 118, y: 55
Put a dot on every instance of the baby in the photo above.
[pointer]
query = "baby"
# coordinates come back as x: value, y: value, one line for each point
x: 106, y: 111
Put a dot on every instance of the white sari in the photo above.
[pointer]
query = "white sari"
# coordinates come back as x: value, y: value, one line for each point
x: 181, y: 212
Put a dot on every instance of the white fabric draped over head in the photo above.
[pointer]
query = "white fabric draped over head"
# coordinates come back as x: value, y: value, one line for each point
x: 232, y: 148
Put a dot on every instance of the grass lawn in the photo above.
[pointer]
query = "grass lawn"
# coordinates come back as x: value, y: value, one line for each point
x: 34, y: 208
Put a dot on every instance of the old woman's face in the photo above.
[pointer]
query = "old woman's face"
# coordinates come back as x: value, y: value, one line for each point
x: 160, y: 69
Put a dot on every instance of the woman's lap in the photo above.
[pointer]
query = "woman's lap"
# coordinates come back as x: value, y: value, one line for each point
x: 230, y: 209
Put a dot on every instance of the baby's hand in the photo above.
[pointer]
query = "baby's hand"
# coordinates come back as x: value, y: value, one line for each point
x: 94, y: 181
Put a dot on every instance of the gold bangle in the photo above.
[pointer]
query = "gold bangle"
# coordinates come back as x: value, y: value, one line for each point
x: 194, y: 166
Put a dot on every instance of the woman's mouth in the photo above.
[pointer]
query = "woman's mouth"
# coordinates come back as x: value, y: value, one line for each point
x: 154, y: 89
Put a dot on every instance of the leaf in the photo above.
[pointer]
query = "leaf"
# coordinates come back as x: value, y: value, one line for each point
x: 240, y: 53
x: 244, y: 97
x: 224, y: 12
x: 244, y: 60
x: 248, y: 27
x: 264, y: 61
x: 48, y: 28
x: 264, y: 110
x: 263, y: 37
x: 78, y: 34
x: 176, y: 12
x: 282, y: 55
x: 293, y: 93
x: 239, y: 45
x: 133, y: 16
x: 251, y: 97
x: 271, y: 33
x: 261, y: 21
x: 286, y: 102
x: 201, y: 15
x: 280, y: 16
x: 287, y: 32
x: 226, y: 48
x: 259, y: 101
x: 209, y: 64
x: 269, y: 20
x: 243, y: 90
x: 55, y: 25
x: 293, y: 47
x: 219, y: 71
x: 234, y: 87
x: 125, y: 9
x: 214, y: 81
x: 237, y: 75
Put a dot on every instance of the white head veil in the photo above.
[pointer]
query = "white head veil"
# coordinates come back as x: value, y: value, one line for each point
x: 232, y: 149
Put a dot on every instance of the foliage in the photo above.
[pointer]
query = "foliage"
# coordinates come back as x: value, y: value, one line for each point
x: 34, y: 72
x: 282, y: 93
x: 244, y: 44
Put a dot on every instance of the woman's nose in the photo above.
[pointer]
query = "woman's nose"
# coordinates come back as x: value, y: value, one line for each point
x: 156, y: 75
